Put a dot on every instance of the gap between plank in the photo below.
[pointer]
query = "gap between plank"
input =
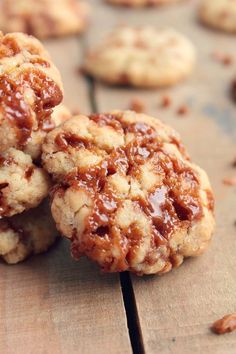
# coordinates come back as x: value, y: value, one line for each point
x: 131, y: 312
x: 135, y: 333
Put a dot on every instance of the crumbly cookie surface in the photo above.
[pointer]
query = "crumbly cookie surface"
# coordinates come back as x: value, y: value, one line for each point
x: 34, y: 146
x: 43, y: 18
x: 128, y: 196
x: 219, y: 14
x: 31, y: 232
x: 138, y: 3
x: 30, y: 87
x: 23, y: 185
x: 142, y: 57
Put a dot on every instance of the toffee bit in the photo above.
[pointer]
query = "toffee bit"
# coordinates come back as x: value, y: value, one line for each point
x: 182, y: 110
x: 137, y: 105
x: 233, y: 91
x: 224, y: 59
x: 226, y: 324
x: 229, y: 181
x: 165, y: 102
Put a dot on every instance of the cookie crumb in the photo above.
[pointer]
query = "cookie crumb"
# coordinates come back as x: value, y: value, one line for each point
x: 224, y: 59
x: 137, y: 105
x: 182, y: 110
x: 225, y: 325
x: 165, y: 101
x: 229, y: 181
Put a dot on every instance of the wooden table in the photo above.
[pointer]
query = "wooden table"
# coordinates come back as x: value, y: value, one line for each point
x: 51, y: 304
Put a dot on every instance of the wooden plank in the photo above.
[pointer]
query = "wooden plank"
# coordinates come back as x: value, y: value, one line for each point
x: 67, y: 54
x: 50, y: 303
x: 176, y: 310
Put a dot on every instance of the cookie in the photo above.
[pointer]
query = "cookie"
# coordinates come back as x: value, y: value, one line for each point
x: 30, y: 87
x: 142, y: 57
x: 23, y: 185
x: 128, y: 196
x: 44, y: 18
x: 31, y: 232
x: 219, y: 14
x: 60, y: 114
x: 139, y: 3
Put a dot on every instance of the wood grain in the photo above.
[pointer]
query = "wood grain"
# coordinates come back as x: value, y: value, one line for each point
x: 176, y: 311
x: 51, y: 304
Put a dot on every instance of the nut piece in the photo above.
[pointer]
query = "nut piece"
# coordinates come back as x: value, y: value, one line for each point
x: 142, y: 57
x: 30, y: 87
x: 225, y: 324
x: 23, y: 185
x: 31, y: 232
x: 128, y: 197
x: 44, y: 18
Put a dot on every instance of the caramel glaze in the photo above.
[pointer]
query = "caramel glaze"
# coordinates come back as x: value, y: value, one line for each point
x: 19, y: 113
x: 8, y: 47
x: 29, y: 172
x: 172, y: 204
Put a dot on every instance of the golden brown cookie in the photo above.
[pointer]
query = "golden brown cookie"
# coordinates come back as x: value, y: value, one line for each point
x: 219, y: 14
x: 43, y: 18
x: 128, y: 196
x: 142, y: 57
x: 23, y: 185
x: 31, y: 232
x: 30, y: 87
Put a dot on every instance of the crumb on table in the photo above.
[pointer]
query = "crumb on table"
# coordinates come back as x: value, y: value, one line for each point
x: 225, y: 325
x: 137, y: 105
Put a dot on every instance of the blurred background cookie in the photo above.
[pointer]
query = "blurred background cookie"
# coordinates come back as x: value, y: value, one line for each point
x: 142, y: 57
x: 43, y: 18
x: 219, y: 14
x: 129, y: 199
x: 31, y: 232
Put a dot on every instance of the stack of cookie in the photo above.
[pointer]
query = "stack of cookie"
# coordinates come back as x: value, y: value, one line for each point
x: 30, y: 88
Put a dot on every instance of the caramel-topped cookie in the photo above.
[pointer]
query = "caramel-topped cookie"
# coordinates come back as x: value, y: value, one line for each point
x: 128, y: 196
x: 30, y: 87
